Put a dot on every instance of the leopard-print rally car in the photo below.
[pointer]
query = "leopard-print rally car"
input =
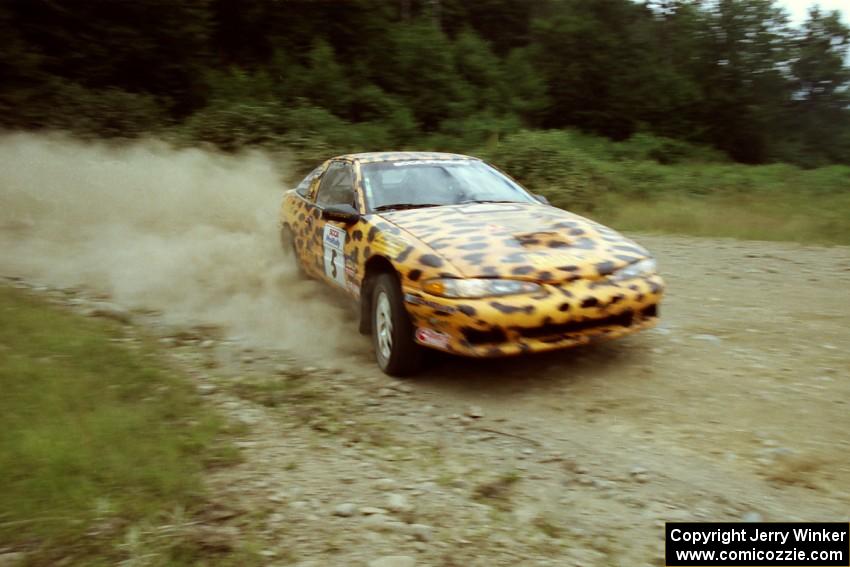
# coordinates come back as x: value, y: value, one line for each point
x: 445, y: 251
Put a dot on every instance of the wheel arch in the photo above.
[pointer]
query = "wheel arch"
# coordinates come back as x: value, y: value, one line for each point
x: 375, y: 265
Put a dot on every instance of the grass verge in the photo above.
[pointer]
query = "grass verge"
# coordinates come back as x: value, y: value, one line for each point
x: 101, y: 443
x: 657, y: 185
x: 781, y: 217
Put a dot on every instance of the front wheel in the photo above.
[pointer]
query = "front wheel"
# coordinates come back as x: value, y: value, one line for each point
x: 392, y: 331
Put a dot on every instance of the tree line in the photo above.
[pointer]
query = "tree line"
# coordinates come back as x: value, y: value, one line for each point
x: 732, y: 75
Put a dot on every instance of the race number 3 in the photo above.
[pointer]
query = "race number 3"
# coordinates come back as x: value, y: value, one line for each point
x: 334, y: 256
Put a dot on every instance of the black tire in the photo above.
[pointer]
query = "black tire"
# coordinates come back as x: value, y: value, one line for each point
x: 396, y: 352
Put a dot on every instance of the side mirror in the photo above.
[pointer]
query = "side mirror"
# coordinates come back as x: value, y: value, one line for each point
x: 341, y: 213
x: 541, y: 198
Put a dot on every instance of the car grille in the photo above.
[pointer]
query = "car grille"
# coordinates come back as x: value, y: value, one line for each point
x: 625, y: 319
x: 476, y: 337
x: 557, y: 330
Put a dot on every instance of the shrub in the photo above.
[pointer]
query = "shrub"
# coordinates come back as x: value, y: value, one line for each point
x: 106, y: 113
x: 231, y: 126
x: 548, y: 163
x: 662, y: 150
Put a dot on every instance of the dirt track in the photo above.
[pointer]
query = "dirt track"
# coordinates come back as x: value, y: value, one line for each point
x: 736, y: 407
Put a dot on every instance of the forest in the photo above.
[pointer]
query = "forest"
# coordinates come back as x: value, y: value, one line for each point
x: 602, y: 90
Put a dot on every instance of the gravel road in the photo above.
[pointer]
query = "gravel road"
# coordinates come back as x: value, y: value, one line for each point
x: 734, y: 408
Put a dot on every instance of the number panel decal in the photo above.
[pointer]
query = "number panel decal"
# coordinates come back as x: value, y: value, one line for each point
x: 333, y: 244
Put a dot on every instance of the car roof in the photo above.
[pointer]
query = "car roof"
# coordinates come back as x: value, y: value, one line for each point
x: 371, y: 157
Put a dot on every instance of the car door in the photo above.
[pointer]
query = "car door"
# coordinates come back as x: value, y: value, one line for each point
x: 335, y: 188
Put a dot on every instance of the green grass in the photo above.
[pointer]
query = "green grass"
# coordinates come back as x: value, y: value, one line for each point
x: 657, y: 185
x: 782, y: 217
x: 101, y: 443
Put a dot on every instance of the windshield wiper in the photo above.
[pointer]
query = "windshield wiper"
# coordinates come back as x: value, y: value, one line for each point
x: 400, y: 206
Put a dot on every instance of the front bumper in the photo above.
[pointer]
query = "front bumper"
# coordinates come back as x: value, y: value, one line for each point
x: 560, y: 316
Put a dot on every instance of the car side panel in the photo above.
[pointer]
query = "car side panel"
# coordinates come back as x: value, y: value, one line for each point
x: 301, y: 216
x: 304, y: 218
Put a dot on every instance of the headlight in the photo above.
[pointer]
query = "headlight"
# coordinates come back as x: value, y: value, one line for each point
x: 640, y: 268
x: 456, y: 287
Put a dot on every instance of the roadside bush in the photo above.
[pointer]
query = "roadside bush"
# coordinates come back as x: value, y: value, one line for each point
x: 105, y: 113
x: 547, y: 163
x: 663, y: 150
x: 479, y: 129
x: 231, y: 126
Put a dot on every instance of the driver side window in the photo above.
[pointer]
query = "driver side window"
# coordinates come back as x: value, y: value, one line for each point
x: 337, y: 186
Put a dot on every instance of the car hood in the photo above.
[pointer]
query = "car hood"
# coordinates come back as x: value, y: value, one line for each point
x: 518, y: 240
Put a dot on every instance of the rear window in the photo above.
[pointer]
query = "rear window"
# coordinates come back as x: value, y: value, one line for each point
x: 303, y: 188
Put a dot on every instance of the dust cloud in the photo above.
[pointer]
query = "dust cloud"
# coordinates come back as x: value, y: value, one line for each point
x: 187, y: 232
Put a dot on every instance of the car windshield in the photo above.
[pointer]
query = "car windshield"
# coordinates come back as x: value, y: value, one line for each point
x: 422, y: 183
